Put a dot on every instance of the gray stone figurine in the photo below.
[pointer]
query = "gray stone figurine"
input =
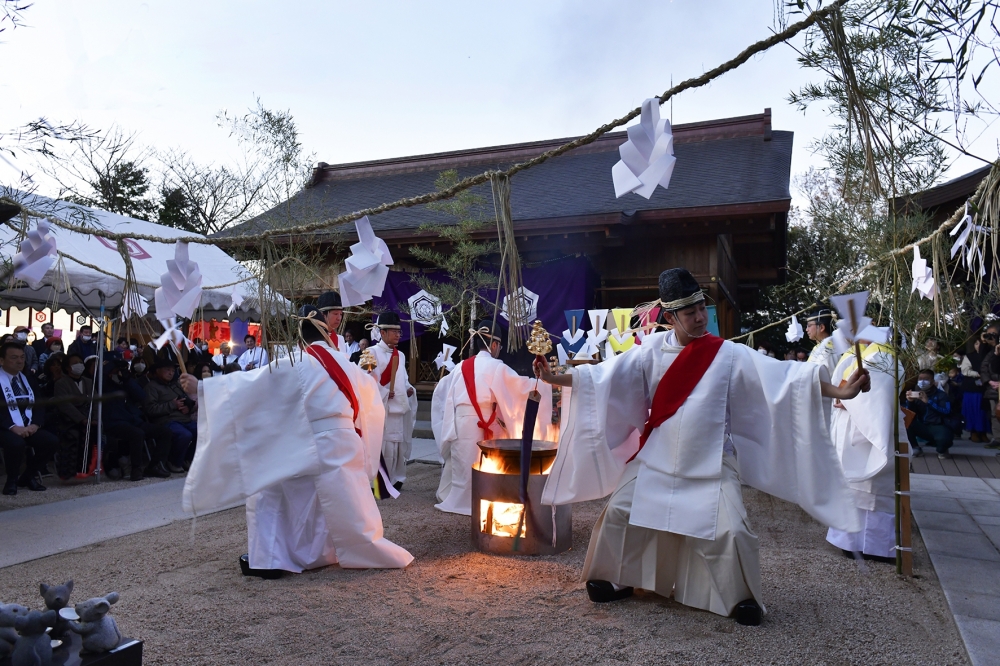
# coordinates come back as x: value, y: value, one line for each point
x: 56, y: 598
x: 8, y: 636
x: 99, y: 630
x: 33, y: 647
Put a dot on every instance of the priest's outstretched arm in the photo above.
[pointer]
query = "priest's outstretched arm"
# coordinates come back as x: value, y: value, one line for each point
x: 854, y: 385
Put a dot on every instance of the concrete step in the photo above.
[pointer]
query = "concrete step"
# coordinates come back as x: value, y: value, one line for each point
x: 422, y: 428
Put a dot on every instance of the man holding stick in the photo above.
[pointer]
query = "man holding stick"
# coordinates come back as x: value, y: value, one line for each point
x: 671, y: 430
x: 398, y: 397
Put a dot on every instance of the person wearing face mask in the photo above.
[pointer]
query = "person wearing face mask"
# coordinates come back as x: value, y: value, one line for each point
x: 931, y: 406
x: 168, y: 404
x: 139, y: 372
x: 31, y: 360
x: 52, y: 346
x: 84, y: 344
x: 75, y: 415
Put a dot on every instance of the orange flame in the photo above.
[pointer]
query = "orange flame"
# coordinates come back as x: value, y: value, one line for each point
x: 501, y: 518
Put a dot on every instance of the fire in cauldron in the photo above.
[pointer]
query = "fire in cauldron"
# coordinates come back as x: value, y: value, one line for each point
x: 497, y: 512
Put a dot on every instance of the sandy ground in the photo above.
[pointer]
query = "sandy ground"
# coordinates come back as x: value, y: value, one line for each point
x: 183, y: 594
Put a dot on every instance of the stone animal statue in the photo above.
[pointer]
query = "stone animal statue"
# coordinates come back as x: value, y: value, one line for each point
x: 99, y: 630
x: 8, y: 636
x: 56, y: 598
x: 33, y: 647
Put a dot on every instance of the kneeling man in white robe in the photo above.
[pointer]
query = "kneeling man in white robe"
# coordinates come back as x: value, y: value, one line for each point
x: 862, y: 430
x: 303, y: 451
x: 483, y: 398
x: 672, y: 427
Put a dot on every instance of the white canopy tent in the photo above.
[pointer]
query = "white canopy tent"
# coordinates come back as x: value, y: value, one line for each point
x: 73, y: 285
x: 89, y: 275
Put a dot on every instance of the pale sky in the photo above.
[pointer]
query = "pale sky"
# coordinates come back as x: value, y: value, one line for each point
x: 370, y: 80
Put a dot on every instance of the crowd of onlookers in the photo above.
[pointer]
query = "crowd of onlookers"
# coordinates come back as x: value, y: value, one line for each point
x: 957, y: 393
x: 149, y: 424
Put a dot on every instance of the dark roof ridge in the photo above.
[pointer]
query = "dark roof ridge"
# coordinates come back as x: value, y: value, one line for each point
x: 758, y: 124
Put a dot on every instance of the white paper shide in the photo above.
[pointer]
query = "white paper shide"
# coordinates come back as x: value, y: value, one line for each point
x: 179, y: 294
x: 794, y: 332
x: 367, y: 267
x: 647, y: 158
x: 37, y: 255
x: 923, y: 276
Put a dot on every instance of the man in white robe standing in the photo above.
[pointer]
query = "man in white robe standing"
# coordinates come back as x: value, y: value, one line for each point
x: 398, y: 397
x: 819, y: 328
x: 672, y: 427
x: 332, y: 309
x: 862, y: 431
x: 459, y: 422
x: 303, y: 454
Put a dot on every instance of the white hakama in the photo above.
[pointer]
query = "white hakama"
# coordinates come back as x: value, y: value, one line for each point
x: 456, y: 424
x: 711, y: 574
x: 678, y: 525
x: 862, y: 431
x: 293, y: 453
x: 400, y: 413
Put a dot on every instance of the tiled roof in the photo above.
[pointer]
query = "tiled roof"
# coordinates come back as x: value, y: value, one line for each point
x: 719, y: 163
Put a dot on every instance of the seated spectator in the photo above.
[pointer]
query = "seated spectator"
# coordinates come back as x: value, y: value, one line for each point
x: 201, y: 356
x: 168, y: 404
x: 73, y: 419
x: 350, y: 344
x: 50, y: 374
x: 21, y: 436
x: 232, y: 367
x: 52, y: 346
x: 124, y: 420
x: 140, y: 373
x: 931, y: 406
x: 362, y: 345
x: 801, y: 355
x: 30, y: 355
x: 224, y: 358
x: 121, y: 352
x: 84, y: 344
x: 202, y: 370
x: 254, y: 357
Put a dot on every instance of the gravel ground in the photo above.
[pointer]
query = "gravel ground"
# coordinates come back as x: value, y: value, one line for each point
x: 183, y: 594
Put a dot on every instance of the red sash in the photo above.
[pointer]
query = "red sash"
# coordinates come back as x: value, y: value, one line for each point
x: 678, y: 381
x: 469, y: 375
x: 335, y: 340
x: 387, y: 373
x: 338, y: 375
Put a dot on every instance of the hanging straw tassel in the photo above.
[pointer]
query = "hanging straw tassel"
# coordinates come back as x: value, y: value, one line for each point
x: 510, y: 262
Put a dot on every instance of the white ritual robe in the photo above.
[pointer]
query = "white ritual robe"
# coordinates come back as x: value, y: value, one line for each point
x: 822, y: 354
x: 456, y: 424
x: 292, y: 452
x: 863, y: 433
x: 685, y: 491
x: 256, y: 356
x: 400, y: 413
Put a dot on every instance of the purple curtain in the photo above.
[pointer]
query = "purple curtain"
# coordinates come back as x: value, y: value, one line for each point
x: 561, y: 285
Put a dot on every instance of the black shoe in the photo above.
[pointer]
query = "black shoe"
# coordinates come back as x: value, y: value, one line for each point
x: 30, y: 483
x: 748, y: 613
x: 398, y: 485
x: 10, y: 488
x: 114, y: 473
x: 267, y: 574
x: 601, y: 592
x: 136, y: 475
x: 158, y: 471
x: 175, y: 469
